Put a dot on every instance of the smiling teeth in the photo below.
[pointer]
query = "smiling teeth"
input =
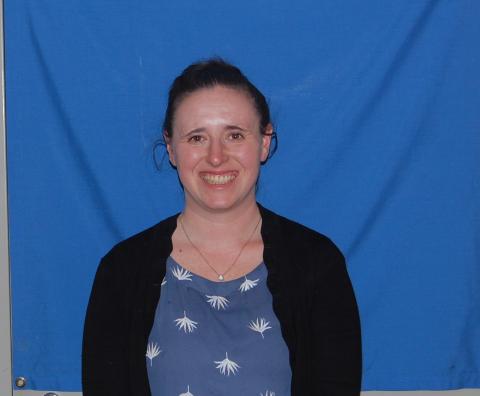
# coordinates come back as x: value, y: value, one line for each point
x: 218, y: 179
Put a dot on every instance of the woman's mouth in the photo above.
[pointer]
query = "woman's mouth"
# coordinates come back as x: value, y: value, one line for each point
x: 218, y: 179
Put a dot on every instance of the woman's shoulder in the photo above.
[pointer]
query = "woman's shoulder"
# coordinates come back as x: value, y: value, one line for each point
x: 153, y: 240
x: 289, y: 234
x: 295, y: 252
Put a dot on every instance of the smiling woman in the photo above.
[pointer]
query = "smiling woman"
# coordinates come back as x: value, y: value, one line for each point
x: 217, y: 148
x: 226, y: 297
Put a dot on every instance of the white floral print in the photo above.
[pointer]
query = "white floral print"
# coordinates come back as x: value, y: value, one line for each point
x: 182, y: 274
x: 217, y: 302
x: 152, y: 351
x: 227, y: 366
x: 267, y: 393
x: 186, y: 323
x: 187, y: 393
x: 260, y: 325
x: 248, y: 284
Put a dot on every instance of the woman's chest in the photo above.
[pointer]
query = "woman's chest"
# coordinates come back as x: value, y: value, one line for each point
x: 216, y: 338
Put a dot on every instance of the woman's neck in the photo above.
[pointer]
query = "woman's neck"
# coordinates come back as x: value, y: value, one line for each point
x: 225, y: 228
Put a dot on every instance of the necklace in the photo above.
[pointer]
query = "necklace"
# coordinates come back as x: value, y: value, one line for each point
x: 220, y: 276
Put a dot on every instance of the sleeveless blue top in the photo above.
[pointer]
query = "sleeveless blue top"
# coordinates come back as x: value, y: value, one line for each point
x: 216, y: 338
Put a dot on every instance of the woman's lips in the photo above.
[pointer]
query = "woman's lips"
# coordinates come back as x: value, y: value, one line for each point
x: 218, y: 179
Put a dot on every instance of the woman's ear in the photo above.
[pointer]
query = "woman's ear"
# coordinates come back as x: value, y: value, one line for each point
x: 168, y: 143
x: 266, y: 141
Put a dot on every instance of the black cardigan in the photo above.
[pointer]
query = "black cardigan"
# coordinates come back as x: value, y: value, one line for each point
x: 312, y: 298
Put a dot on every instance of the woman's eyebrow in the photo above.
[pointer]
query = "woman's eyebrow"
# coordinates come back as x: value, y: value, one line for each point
x: 229, y: 127
x: 194, y: 131
x: 235, y: 127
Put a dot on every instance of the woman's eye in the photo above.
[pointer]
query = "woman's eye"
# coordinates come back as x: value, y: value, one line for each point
x: 195, y: 139
x: 236, y: 136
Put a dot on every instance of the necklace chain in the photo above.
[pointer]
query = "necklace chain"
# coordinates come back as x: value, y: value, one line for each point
x: 220, y: 276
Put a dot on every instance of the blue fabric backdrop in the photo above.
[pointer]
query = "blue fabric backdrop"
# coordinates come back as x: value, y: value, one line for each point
x: 377, y: 110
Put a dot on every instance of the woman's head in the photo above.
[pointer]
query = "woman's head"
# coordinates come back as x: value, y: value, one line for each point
x: 208, y: 74
x: 217, y: 131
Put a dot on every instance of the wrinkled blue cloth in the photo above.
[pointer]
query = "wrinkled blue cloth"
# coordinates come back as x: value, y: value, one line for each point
x: 376, y: 109
x: 216, y: 338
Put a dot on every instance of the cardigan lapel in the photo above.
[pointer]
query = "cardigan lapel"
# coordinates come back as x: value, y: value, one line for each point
x: 159, y: 247
x: 276, y: 258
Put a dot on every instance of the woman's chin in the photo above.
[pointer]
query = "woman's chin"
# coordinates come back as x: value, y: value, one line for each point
x: 223, y: 204
x: 220, y: 205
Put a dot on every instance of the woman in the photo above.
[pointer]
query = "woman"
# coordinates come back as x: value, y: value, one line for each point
x: 226, y: 298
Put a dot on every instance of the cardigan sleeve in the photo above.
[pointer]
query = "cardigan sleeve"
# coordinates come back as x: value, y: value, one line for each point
x: 335, y: 331
x: 104, y: 360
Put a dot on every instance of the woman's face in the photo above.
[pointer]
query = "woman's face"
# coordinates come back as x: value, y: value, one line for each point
x: 217, y: 148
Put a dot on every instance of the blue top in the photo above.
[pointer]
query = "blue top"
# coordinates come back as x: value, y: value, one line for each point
x: 216, y: 338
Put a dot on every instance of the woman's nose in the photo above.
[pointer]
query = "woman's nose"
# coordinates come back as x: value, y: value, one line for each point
x: 216, y: 153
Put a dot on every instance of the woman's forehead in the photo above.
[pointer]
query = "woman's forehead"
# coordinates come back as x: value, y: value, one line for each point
x: 216, y: 93
x: 216, y: 106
